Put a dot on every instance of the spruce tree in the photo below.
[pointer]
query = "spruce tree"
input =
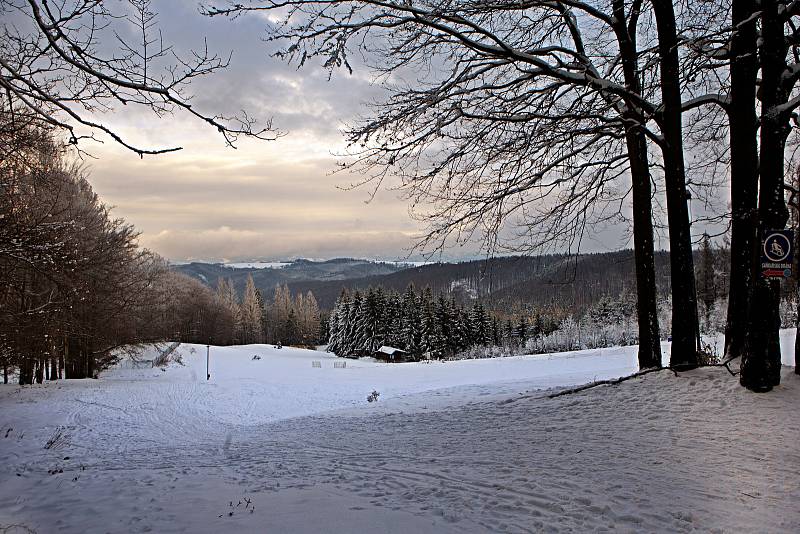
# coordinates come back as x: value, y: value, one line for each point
x: 521, y: 330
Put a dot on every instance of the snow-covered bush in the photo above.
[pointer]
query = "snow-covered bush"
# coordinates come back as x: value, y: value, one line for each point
x: 712, y: 321
x: 788, y: 311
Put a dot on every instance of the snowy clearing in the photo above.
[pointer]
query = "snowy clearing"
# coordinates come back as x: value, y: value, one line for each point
x: 464, y: 446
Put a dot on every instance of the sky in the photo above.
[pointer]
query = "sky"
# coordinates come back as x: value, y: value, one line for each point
x: 270, y: 200
x: 264, y: 199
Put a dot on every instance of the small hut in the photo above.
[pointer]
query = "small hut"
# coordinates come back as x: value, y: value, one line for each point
x: 390, y: 354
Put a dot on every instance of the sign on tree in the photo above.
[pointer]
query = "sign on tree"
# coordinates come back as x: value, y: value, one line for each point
x: 777, y: 253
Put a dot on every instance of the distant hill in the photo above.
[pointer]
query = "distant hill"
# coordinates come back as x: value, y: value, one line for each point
x: 299, y: 270
x: 509, y: 282
x: 505, y: 283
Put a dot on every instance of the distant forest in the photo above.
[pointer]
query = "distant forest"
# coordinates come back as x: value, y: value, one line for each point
x: 504, y: 284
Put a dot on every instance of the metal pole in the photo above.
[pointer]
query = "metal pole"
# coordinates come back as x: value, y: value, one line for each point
x: 208, y: 351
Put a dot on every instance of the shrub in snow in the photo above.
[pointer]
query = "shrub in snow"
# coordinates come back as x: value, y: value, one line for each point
x: 788, y: 312
x: 373, y: 397
x: 713, y: 318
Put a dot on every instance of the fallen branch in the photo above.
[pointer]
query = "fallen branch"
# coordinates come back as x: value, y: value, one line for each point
x: 615, y: 381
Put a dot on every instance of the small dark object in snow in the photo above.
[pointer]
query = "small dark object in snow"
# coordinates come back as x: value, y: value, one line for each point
x: 256, y: 357
x: 66, y: 457
x: 373, y: 397
x: 230, y: 514
x: 8, y: 431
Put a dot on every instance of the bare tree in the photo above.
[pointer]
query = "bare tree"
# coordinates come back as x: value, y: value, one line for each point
x: 63, y: 64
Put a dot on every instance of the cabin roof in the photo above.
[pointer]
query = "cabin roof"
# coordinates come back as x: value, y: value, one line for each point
x: 390, y: 350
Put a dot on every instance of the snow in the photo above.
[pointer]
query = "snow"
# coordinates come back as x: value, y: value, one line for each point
x: 257, y: 265
x: 405, y: 263
x: 467, y: 446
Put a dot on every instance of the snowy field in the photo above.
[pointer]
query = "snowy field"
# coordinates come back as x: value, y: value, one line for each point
x: 469, y: 446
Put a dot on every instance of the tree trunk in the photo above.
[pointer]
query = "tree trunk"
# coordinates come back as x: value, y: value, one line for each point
x: 89, y: 361
x: 761, y: 362
x: 684, y: 300
x: 39, y: 370
x: 54, y: 368
x: 61, y: 359
x: 744, y: 172
x: 25, y: 371
x: 796, y: 268
x: 646, y: 305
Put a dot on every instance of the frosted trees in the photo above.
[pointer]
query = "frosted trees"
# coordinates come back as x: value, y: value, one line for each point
x: 309, y: 319
x: 293, y: 321
x: 278, y: 315
x: 418, y: 324
x: 251, y: 312
x: 73, y: 284
x: 226, y: 293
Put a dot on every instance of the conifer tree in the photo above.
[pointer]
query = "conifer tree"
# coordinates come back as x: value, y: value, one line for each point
x: 412, y: 323
x: 521, y: 331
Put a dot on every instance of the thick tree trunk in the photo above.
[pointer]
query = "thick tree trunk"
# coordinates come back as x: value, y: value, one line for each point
x: 684, y: 300
x: 646, y: 305
x: 761, y: 361
x: 744, y: 172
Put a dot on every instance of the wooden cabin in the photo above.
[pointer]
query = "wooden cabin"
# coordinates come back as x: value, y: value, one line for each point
x: 390, y: 354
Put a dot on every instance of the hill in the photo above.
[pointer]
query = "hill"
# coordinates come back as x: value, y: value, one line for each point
x: 572, y: 282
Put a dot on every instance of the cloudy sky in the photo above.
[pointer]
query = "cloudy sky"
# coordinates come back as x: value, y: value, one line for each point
x: 264, y: 200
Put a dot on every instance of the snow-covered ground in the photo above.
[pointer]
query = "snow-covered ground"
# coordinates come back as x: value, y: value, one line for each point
x: 464, y: 446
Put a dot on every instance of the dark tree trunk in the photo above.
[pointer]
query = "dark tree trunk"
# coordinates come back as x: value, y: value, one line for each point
x: 796, y: 268
x: 89, y: 363
x: 744, y: 172
x: 61, y: 359
x: 646, y: 305
x: 684, y: 301
x: 26, y: 371
x: 39, y: 370
x: 761, y: 362
x: 53, y: 368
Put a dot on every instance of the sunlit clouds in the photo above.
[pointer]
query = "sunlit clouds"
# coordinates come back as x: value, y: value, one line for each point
x: 265, y: 200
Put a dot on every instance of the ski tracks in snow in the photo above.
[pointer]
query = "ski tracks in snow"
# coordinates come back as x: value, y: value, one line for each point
x: 657, y: 454
x: 661, y: 453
